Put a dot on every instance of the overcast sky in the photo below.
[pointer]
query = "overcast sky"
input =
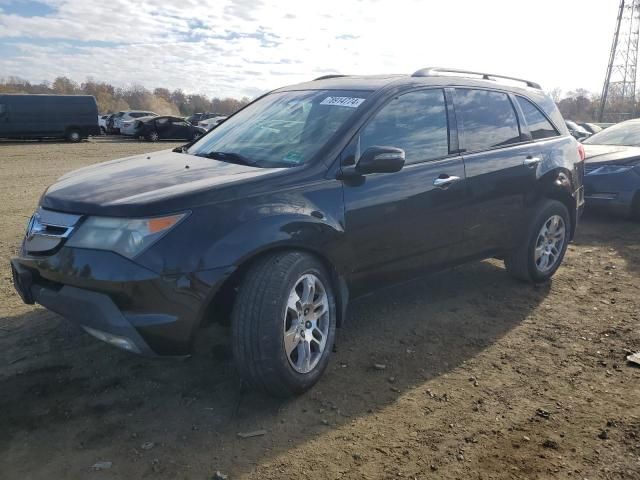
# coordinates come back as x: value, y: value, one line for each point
x: 245, y: 47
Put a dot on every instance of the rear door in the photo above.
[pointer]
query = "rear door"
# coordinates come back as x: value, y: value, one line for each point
x: 500, y: 164
x: 401, y: 224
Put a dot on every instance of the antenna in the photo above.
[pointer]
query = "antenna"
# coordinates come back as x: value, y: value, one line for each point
x: 618, y: 100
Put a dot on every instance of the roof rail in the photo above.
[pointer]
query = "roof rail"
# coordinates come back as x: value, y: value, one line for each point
x: 326, y: 77
x: 435, y: 71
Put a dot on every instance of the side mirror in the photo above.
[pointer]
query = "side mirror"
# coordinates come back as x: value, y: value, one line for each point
x: 380, y: 160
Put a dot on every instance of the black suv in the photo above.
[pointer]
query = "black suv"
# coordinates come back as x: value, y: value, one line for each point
x: 308, y: 197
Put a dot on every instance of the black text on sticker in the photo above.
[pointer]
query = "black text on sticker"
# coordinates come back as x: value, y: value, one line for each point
x: 351, y: 102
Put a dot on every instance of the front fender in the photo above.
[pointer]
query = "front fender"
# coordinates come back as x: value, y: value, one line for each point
x: 228, y: 233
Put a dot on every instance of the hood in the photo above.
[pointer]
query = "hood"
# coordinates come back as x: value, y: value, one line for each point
x: 147, y: 184
x: 610, y: 154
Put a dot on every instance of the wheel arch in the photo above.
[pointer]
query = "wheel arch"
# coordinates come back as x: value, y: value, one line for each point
x: 218, y: 307
x: 557, y: 185
x: 73, y: 128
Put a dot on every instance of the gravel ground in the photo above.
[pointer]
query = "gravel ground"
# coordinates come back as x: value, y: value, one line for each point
x: 477, y: 376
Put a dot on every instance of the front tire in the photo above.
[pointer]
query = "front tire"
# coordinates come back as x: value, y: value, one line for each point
x: 283, y: 323
x: 541, y: 250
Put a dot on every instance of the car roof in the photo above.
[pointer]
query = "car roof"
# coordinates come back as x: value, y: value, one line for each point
x: 425, y: 77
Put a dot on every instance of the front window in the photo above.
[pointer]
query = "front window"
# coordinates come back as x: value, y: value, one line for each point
x: 415, y: 122
x: 283, y: 129
x: 626, y: 133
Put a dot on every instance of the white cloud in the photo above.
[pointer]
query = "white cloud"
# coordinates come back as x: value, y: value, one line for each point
x: 242, y: 47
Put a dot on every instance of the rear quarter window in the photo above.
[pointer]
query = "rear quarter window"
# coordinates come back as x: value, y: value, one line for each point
x: 538, y: 124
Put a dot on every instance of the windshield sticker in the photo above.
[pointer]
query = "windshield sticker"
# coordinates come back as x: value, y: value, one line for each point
x: 293, y: 156
x: 351, y: 102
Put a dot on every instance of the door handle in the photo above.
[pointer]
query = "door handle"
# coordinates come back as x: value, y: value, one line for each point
x: 532, y: 161
x: 444, y: 181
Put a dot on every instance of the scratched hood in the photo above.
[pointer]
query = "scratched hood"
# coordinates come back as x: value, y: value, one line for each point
x: 147, y: 184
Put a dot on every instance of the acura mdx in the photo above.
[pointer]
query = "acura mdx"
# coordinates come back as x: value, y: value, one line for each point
x: 310, y: 196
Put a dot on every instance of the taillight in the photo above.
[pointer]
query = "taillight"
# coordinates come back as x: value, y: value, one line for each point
x: 581, y: 152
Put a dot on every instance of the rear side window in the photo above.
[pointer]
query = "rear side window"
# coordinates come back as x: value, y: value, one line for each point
x: 539, y: 126
x: 487, y: 119
x: 415, y: 122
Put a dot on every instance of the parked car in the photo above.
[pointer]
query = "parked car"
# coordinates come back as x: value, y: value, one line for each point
x: 578, y: 132
x: 612, y: 169
x: 591, y: 128
x: 126, y: 123
x: 111, y: 123
x: 212, y: 122
x: 166, y: 128
x: 310, y: 196
x: 73, y: 117
x: 604, y: 125
x: 102, y: 123
x: 197, y: 117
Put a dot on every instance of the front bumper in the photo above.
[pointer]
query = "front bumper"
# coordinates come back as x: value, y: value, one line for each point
x: 105, y: 293
x: 614, y: 192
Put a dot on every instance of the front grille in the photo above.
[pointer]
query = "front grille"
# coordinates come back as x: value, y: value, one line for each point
x: 47, y: 231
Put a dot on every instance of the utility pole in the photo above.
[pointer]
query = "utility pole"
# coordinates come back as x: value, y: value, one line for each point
x: 618, y: 100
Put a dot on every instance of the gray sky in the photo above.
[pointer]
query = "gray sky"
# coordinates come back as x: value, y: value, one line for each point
x: 244, y: 47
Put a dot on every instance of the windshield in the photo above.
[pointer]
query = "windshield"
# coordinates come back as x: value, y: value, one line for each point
x: 283, y: 129
x: 626, y: 133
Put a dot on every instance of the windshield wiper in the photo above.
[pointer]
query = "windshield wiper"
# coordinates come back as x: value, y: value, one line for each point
x: 230, y: 157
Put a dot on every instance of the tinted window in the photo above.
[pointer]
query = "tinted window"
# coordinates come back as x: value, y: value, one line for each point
x: 3, y: 109
x: 487, y: 119
x: 415, y: 122
x: 538, y: 124
x: 162, y: 121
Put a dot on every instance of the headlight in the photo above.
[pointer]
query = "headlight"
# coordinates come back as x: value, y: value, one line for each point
x: 610, y: 169
x: 126, y: 236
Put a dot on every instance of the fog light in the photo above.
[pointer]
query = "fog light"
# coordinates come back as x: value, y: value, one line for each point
x: 115, y: 340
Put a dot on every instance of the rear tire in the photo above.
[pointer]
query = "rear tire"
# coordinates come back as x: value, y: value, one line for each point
x: 74, y: 136
x: 541, y: 250
x: 284, y: 314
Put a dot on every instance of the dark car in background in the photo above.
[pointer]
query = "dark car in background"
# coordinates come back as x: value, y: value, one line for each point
x: 310, y: 196
x: 578, y: 132
x: 167, y: 128
x: 73, y: 117
x: 612, y: 169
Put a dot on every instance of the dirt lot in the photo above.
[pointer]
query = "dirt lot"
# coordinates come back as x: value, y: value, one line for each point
x: 483, y: 378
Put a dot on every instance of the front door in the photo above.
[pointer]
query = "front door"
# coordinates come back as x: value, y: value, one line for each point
x: 180, y: 129
x: 400, y: 225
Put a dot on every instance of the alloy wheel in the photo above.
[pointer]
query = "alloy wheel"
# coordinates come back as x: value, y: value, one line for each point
x: 550, y: 243
x: 306, y: 323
